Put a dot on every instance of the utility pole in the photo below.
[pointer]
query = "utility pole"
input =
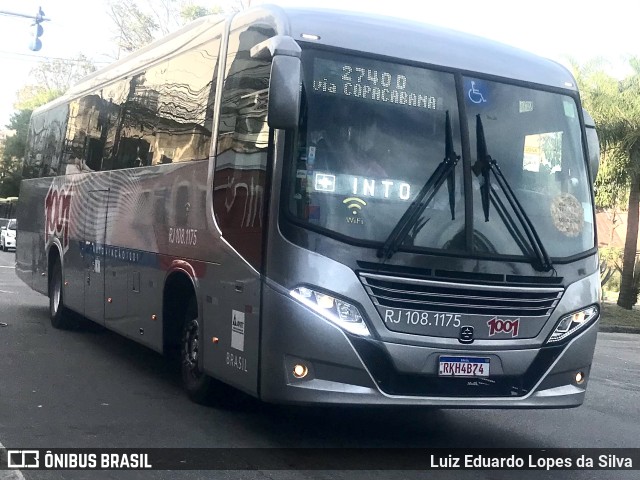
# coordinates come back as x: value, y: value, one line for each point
x: 36, y: 43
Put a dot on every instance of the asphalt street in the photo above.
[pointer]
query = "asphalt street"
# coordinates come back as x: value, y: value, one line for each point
x: 91, y: 388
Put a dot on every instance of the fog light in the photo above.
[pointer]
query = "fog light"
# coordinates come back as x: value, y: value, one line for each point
x: 579, y: 378
x: 300, y: 371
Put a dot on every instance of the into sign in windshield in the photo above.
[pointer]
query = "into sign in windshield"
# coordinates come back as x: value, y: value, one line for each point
x: 373, y: 132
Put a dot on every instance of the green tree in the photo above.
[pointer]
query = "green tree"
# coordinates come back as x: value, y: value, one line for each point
x: 31, y: 97
x: 12, y: 154
x: 190, y: 12
x: 615, y: 107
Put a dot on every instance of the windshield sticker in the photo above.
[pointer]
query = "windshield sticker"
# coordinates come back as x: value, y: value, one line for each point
x: 353, y: 185
x: 375, y: 82
x: 354, y: 204
x: 567, y: 214
x: 526, y: 106
x: 475, y: 92
x: 569, y: 108
x: 543, y: 152
x: 325, y: 182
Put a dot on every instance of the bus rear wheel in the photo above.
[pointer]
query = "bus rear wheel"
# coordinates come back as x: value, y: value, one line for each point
x: 60, y: 316
x: 198, y: 384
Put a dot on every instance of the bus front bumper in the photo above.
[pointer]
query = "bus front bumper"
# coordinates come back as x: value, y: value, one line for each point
x: 341, y: 369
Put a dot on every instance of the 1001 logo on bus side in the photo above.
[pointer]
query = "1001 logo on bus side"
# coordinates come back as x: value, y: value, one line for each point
x: 57, y: 209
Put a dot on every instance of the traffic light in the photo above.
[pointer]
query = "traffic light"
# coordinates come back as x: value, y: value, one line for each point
x: 36, y: 43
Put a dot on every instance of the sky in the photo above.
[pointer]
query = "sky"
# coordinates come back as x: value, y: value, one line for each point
x: 555, y: 29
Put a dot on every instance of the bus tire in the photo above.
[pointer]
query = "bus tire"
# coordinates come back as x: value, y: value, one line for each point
x: 197, y: 384
x: 59, y: 315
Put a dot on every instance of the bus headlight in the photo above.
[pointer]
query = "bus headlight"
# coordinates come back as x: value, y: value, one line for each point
x: 569, y: 324
x: 343, y: 314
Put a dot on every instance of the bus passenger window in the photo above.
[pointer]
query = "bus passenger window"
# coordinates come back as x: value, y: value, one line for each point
x: 241, y: 159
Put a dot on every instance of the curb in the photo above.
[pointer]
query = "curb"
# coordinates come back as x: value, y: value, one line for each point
x: 619, y: 329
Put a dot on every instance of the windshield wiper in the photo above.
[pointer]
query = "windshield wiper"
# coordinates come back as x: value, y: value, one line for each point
x: 484, y: 166
x: 444, y: 171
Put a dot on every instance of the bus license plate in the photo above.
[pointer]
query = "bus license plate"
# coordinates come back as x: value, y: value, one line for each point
x: 463, y: 367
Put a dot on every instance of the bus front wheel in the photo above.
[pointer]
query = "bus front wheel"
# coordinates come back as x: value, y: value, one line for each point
x: 60, y: 317
x: 197, y: 383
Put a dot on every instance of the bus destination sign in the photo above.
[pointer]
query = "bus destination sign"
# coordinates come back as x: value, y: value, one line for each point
x: 375, y: 81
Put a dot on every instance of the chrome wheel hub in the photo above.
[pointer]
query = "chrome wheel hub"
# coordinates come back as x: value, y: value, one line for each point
x: 191, y: 346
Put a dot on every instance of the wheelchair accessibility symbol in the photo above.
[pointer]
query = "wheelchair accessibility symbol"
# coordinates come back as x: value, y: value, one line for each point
x: 475, y: 95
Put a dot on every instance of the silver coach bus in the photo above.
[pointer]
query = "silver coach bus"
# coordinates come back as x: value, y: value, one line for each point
x: 325, y: 207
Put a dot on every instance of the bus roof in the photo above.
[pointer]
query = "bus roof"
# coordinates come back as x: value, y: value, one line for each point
x: 424, y: 43
x: 361, y: 32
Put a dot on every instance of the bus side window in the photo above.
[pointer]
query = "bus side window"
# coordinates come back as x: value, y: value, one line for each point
x: 46, y: 134
x: 92, y: 126
x: 241, y: 158
x: 167, y: 114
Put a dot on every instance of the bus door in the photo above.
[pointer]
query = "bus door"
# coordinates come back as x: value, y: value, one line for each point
x: 96, y: 209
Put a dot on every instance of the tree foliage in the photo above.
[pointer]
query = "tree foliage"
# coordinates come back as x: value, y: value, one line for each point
x: 12, y: 153
x: 615, y: 107
x: 190, y: 12
x: 598, y: 92
x: 139, y: 22
x: 58, y: 75
x: 612, y: 183
x: 135, y: 28
x: 31, y: 97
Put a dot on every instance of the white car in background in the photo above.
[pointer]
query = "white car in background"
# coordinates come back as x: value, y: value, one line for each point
x: 8, y: 235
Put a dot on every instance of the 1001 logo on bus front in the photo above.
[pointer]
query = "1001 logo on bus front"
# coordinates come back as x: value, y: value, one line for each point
x: 57, y: 209
x: 497, y: 325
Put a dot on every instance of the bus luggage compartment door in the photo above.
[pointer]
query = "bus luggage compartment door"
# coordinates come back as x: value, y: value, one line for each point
x: 95, y: 221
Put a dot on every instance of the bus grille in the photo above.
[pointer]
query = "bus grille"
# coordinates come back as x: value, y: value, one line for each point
x: 449, y: 297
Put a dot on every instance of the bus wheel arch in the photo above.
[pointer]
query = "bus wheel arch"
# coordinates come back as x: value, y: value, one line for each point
x: 182, y: 333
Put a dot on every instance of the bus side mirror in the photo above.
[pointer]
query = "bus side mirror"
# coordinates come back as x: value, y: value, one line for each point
x: 593, y: 144
x: 284, y: 92
x: 284, y: 86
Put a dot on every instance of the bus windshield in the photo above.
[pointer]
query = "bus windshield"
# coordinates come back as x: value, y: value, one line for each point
x: 373, y: 132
